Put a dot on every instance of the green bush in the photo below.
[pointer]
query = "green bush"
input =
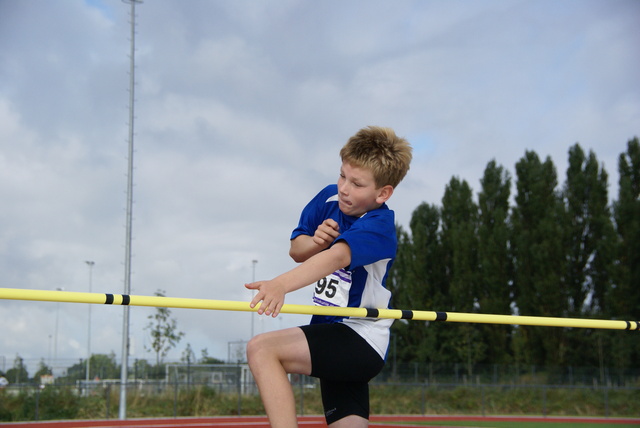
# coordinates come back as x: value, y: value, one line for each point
x: 55, y: 403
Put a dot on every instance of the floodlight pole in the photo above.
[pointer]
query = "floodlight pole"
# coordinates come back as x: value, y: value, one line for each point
x: 122, y: 410
x: 55, y: 340
x: 90, y: 264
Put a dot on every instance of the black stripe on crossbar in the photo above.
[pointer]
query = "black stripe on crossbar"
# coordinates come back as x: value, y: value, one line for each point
x: 372, y: 313
x: 441, y: 316
x: 407, y: 315
x: 126, y: 299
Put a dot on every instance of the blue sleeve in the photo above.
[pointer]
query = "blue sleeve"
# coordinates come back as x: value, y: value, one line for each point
x: 371, y: 238
x: 314, y: 213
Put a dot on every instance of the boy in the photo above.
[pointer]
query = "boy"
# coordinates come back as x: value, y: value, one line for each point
x: 346, y: 243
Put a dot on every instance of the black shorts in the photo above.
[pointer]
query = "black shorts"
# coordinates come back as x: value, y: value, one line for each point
x: 345, y: 363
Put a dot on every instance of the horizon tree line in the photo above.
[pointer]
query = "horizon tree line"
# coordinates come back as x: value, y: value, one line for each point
x: 550, y: 250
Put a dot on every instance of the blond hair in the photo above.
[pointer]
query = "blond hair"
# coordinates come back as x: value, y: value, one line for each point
x: 381, y: 151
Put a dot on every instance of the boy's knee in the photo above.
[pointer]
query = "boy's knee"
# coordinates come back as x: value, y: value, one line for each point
x: 253, y: 347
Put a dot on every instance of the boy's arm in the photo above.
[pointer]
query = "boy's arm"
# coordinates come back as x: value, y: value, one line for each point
x: 272, y: 292
x: 305, y: 246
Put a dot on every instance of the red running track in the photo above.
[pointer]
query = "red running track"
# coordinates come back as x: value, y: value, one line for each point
x: 303, y: 422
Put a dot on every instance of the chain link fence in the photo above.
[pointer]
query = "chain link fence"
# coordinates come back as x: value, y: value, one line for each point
x: 228, y: 389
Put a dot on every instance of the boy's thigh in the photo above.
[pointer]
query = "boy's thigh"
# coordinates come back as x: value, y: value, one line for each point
x: 289, y: 346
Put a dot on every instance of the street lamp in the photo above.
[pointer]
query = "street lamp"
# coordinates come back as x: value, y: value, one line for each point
x: 55, y: 339
x: 90, y: 264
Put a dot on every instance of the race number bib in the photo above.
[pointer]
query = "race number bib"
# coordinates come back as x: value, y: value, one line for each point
x: 333, y: 290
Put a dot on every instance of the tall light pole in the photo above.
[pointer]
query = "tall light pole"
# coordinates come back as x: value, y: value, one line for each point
x: 253, y: 279
x: 122, y: 409
x: 90, y: 264
x: 55, y: 338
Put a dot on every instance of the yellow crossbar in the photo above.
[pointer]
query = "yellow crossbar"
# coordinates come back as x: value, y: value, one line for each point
x: 226, y: 305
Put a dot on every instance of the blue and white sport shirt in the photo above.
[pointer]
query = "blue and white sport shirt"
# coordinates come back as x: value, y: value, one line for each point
x: 373, y: 243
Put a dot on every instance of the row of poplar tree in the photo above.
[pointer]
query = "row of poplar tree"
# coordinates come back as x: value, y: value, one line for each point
x: 550, y: 250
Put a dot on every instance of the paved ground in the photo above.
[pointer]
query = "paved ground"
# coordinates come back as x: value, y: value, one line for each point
x: 304, y: 422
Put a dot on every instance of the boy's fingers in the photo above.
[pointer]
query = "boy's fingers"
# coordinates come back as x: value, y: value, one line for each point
x: 265, y: 307
x: 252, y: 286
x: 253, y: 303
x: 332, y: 224
x: 276, y: 312
x: 257, y: 298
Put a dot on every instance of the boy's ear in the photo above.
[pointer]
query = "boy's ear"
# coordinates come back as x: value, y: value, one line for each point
x: 384, y: 193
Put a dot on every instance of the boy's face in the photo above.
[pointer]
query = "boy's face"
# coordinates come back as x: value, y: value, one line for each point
x: 357, y: 191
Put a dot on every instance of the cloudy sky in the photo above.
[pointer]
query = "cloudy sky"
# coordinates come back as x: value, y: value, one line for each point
x: 242, y: 107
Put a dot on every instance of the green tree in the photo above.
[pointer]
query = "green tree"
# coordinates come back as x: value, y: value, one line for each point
x: 402, y: 283
x: 624, y: 300
x: 102, y: 366
x: 76, y: 371
x: 590, y: 247
x: 142, y: 369
x: 188, y: 356
x: 494, y: 264
x: 538, y: 256
x: 416, y: 281
x: 206, y: 359
x: 460, y: 245
x: 163, y: 331
x: 43, y: 369
x: 460, y: 248
x: 627, y: 217
x: 18, y: 373
x: 589, y: 234
x: 553, y: 253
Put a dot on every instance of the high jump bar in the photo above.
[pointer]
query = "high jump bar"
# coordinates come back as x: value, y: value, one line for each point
x: 227, y: 305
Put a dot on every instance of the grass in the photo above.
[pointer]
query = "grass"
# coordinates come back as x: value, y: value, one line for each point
x: 442, y: 400
x: 54, y: 403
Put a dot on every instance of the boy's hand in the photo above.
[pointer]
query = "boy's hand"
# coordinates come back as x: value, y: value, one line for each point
x: 326, y: 233
x: 271, y: 294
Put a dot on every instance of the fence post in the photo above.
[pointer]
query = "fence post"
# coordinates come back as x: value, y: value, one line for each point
x: 108, y: 399
x: 175, y: 398
x: 239, y: 389
x: 301, y: 394
x: 37, y: 415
